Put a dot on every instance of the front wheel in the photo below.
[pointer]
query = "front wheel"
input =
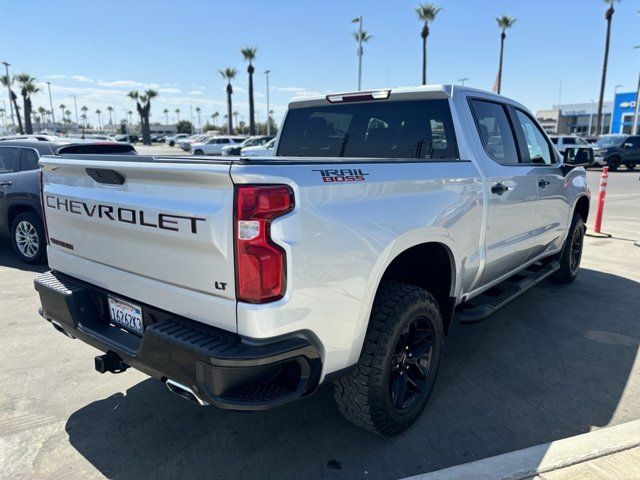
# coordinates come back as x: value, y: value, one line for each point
x: 198, y: 152
x: 390, y: 385
x: 613, y: 164
x: 630, y: 166
x: 571, y: 252
x: 27, y: 237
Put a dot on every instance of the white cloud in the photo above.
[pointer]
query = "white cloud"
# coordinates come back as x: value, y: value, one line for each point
x: 122, y: 84
x: 195, y: 92
x: 81, y: 79
x: 297, y: 91
x: 55, y: 77
x: 169, y: 90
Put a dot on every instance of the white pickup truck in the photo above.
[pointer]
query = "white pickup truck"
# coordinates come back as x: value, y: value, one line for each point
x: 383, y: 219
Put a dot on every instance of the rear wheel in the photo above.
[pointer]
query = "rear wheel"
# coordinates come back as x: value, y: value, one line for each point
x: 571, y: 254
x: 171, y: 143
x: 389, y: 387
x: 27, y: 237
x: 630, y: 166
x: 198, y: 152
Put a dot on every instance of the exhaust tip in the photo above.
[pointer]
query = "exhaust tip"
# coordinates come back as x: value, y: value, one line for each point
x: 184, y: 392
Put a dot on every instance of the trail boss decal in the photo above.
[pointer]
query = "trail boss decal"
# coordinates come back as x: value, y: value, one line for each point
x: 164, y: 221
x: 342, y: 175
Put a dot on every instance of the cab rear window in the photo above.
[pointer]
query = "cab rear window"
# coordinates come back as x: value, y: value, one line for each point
x: 420, y: 129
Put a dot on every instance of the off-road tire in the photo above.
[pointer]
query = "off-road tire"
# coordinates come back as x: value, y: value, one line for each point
x: 363, y: 395
x: 568, y: 268
x: 613, y: 163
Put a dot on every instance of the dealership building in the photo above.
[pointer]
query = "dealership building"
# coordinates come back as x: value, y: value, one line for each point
x: 580, y: 118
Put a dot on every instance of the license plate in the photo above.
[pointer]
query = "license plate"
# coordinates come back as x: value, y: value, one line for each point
x: 126, y: 315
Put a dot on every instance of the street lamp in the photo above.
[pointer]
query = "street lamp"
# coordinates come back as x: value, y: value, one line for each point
x: 462, y: 80
x: 359, y: 22
x: 615, y: 93
x: 267, y: 72
x: 75, y: 106
x: 635, y: 114
x: 6, y: 68
x: 593, y: 106
x: 53, y: 115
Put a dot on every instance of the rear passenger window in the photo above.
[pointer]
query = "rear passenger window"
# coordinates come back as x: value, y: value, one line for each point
x: 537, y: 146
x: 8, y: 159
x: 420, y: 129
x: 495, y: 131
x: 29, y: 160
x: 569, y: 141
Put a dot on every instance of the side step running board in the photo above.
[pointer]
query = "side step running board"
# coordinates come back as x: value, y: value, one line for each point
x: 481, y: 307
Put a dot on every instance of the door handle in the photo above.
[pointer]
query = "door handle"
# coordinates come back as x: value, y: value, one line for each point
x: 6, y: 184
x: 499, y: 188
x: 544, y: 183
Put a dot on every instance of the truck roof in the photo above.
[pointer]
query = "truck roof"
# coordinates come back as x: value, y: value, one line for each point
x: 396, y: 93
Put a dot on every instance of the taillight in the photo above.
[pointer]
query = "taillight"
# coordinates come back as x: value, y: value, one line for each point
x: 260, y: 263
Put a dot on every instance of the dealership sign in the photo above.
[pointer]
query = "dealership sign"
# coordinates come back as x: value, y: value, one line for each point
x: 628, y: 104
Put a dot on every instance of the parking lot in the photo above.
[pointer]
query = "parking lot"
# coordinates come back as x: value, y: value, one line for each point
x: 559, y: 361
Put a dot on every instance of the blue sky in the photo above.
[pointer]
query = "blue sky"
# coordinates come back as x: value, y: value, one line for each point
x: 100, y: 50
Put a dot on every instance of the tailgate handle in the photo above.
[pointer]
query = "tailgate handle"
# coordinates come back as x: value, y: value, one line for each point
x: 109, y: 177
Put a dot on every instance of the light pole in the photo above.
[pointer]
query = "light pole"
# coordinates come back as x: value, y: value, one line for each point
x: 615, y: 93
x: 267, y: 72
x: 53, y: 115
x: 6, y: 69
x: 593, y: 106
x: 462, y: 80
x: 635, y: 114
x: 75, y: 106
x: 359, y: 21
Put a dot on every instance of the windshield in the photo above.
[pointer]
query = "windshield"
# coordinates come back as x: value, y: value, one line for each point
x: 611, y: 141
x: 392, y: 129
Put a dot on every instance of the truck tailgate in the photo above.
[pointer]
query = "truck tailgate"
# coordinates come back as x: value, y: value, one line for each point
x: 158, y: 233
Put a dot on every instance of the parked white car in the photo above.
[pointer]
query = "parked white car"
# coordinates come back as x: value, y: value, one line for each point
x: 214, y: 145
x: 185, y: 144
x: 562, y: 142
x: 265, y: 150
x: 172, y: 140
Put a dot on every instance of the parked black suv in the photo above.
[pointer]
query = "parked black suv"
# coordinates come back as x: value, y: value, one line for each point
x: 617, y: 150
x: 20, y: 208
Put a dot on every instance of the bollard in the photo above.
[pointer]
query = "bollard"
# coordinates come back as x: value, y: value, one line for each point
x: 601, y: 194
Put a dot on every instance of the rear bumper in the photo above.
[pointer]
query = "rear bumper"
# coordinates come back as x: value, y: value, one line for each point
x: 221, y: 368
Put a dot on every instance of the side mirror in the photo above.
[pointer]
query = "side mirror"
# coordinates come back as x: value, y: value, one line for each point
x: 627, y: 145
x: 578, y: 156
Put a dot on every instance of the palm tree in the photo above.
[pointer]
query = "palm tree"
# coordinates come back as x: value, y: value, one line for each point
x: 6, y: 82
x: 215, y: 118
x: 110, y: 110
x: 2, y: 112
x: 235, y: 117
x: 504, y: 22
x: 27, y: 85
x: 166, y: 116
x: 229, y: 74
x: 199, y: 120
x: 143, y: 105
x: 62, y: 108
x: 249, y: 55
x: 84, y: 115
x: 361, y: 37
x: 99, y: 114
x: 177, y: 112
x: 426, y: 13
x: 43, y: 112
x: 608, y: 16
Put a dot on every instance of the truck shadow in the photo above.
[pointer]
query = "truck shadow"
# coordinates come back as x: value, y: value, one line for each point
x: 549, y: 366
x: 8, y: 258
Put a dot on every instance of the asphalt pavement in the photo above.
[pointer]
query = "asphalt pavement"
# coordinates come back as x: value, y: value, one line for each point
x: 559, y: 361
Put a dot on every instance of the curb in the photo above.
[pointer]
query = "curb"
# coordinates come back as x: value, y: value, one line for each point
x: 540, y: 459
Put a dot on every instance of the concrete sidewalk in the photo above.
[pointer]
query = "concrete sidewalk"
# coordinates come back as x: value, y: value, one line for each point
x: 607, y: 454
